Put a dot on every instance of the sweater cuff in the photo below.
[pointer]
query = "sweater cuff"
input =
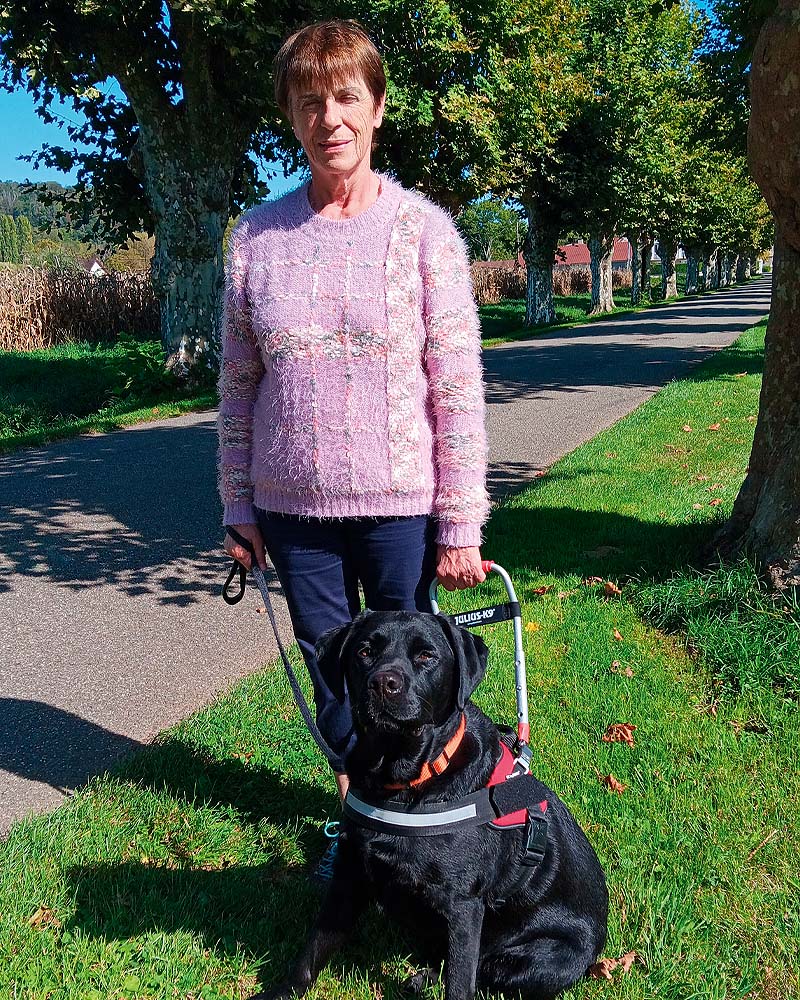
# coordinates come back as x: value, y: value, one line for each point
x: 458, y: 536
x: 240, y: 512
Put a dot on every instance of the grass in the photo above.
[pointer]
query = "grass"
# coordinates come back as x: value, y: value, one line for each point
x: 84, y: 388
x: 77, y: 388
x: 184, y: 872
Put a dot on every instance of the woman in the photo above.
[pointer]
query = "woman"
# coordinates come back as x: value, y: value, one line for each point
x: 352, y: 442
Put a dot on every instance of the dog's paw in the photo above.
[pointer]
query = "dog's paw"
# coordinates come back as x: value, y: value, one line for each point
x: 416, y: 985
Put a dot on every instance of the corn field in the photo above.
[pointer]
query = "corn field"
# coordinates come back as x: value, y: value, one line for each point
x: 493, y: 281
x: 43, y: 307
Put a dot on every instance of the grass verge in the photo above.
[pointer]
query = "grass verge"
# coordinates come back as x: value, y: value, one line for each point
x: 94, y: 388
x: 79, y: 388
x: 184, y: 872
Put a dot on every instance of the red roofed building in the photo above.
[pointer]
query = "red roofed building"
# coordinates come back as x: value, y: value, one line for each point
x: 577, y: 255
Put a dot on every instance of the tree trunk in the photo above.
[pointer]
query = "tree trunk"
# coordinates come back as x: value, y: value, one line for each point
x: 186, y: 164
x: 741, y: 270
x: 716, y: 273
x: 692, y: 270
x: 730, y: 264
x: 539, y: 254
x: 601, y: 255
x: 766, y: 515
x: 667, y: 249
x: 647, y: 253
x: 636, y: 271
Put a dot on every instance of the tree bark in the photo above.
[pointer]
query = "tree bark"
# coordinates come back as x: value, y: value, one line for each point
x: 667, y: 249
x: 646, y: 255
x: 766, y: 515
x: 692, y: 269
x: 715, y: 268
x: 730, y: 265
x: 185, y: 157
x: 741, y: 269
x: 601, y: 255
x: 539, y: 254
x: 636, y: 271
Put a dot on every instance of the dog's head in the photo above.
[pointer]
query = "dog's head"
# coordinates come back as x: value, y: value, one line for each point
x: 404, y: 670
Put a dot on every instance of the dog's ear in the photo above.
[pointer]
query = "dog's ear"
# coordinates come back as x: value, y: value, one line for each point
x: 471, y: 656
x: 327, y: 650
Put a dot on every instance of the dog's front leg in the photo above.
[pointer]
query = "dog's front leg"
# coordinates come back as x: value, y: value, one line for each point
x: 465, y: 922
x: 340, y: 911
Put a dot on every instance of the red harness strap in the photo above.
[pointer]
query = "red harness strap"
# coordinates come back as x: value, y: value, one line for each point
x: 502, y: 771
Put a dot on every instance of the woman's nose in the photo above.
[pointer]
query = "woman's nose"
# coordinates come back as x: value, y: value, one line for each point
x: 332, y: 115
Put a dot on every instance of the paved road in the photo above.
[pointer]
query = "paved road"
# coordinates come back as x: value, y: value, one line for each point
x: 111, y: 626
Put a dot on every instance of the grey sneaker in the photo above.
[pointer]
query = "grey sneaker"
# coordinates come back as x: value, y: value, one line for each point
x: 324, y: 870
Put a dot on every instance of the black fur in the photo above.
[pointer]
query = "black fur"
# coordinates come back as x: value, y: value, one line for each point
x: 408, y: 676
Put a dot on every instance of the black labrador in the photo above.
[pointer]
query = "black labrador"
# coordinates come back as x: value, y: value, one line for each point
x: 410, y: 677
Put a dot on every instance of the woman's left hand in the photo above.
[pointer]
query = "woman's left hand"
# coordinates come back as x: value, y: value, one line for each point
x: 458, y: 569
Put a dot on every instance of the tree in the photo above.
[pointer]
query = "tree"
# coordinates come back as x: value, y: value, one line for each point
x: 25, y: 237
x: 766, y: 515
x: 181, y: 155
x: 492, y: 231
x: 538, y: 91
x: 9, y: 240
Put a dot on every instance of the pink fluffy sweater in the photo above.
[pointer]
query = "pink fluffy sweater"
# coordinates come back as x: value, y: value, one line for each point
x: 351, y: 382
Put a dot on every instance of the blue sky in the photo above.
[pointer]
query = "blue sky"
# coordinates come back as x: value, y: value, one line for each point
x: 24, y: 132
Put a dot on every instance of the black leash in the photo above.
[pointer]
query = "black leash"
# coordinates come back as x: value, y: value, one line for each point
x: 233, y: 598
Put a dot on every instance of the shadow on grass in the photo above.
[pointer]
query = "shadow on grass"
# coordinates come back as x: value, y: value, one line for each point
x: 563, y: 540
x: 263, y: 908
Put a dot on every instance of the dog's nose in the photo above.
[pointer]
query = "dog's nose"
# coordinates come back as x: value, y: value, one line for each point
x: 388, y: 683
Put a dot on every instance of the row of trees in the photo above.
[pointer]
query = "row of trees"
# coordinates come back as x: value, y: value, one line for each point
x: 16, y: 239
x: 597, y: 116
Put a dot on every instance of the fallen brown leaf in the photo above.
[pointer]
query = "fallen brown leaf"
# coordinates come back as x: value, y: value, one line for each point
x: 714, y: 427
x: 611, y: 783
x: 701, y: 478
x: 686, y: 428
x: 565, y: 593
x: 715, y: 487
x: 617, y: 634
x: 261, y: 611
x: 44, y: 915
x: 715, y: 502
x: 544, y: 589
x: 697, y: 506
x: 592, y: 579
x: 611, y: 589
x: 616, y: 668
x: 740, y: 374
x: 603, y: 968
x: 627, y: 960
x: 619, y: 732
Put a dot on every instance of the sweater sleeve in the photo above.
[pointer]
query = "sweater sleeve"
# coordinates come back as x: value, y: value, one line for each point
x: 241, y: 372
x: 452, y: 358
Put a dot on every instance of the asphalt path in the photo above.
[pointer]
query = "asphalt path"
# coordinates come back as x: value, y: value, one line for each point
x: 111, y: 624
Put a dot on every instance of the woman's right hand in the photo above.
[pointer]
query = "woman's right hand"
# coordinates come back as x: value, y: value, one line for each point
x: 253, y: 534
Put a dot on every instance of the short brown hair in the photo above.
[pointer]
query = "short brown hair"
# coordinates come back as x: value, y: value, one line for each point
x: 324, y: 54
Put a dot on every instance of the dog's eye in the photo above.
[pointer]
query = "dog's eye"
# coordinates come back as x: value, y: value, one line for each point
x: 363, y: 652
x: 424, y: 655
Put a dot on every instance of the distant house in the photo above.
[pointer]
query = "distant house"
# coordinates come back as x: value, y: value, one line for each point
x: 576, y: 254
x: 93, y: 265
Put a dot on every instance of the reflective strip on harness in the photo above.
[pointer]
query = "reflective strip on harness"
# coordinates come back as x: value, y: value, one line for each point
x: 415, y: 819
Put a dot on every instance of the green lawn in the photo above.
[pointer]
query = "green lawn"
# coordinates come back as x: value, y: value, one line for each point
x: 75, y: 388
x: 185, y: 872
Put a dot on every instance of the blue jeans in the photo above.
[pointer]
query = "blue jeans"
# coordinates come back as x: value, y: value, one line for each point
x: 320, y: 563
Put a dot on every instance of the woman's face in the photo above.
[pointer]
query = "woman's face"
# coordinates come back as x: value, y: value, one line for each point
x: 335, y: 124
